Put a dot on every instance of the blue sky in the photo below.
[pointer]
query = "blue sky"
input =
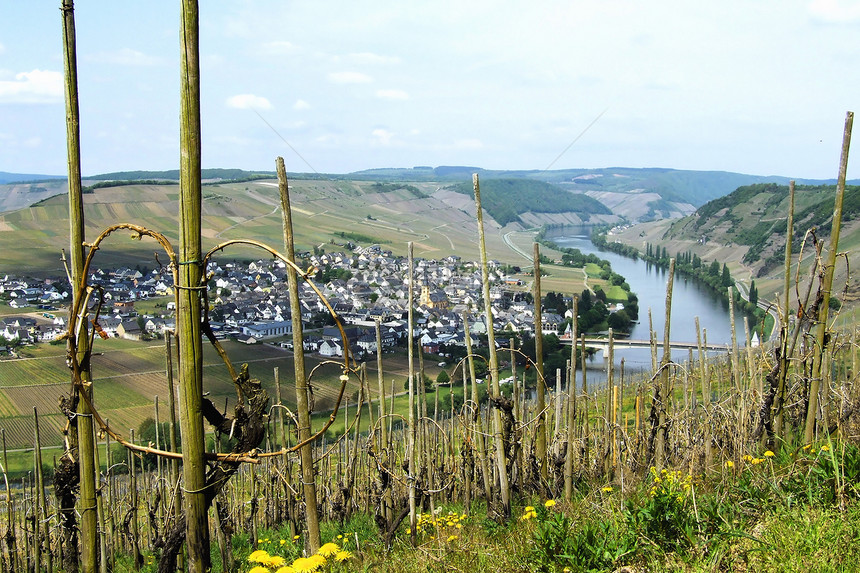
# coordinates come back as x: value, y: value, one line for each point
x: 752, y: 86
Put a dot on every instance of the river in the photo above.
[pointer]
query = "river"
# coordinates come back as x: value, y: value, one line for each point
x: 690, y: 299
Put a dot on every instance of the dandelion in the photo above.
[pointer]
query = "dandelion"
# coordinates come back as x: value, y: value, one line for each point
x: 303, y: 565
x: 607, y: 489
x: 316, y: 561
x: 259, y: 556
x: 329, y: 549
x: 451, y: 538
x: 342, y: 556
x: 825, y: 447
x: 283, y: 541
x: 259, y: 569
x: 549, y: 503
x: 286, y: 569
x: 275, y: 561
x: 769, y: 454
x: 730, y: 464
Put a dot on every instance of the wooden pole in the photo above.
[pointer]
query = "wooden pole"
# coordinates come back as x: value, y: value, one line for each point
x: 501, y: 465
x: 189, y: 300
x: 571, y: 413
x: 306, y: 456
x: 82, y: 429
x: 540, y: 444
x: 786, y: 322
x: 827, y: 283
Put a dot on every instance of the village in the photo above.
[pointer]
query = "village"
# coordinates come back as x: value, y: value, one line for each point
x: 249, y: 302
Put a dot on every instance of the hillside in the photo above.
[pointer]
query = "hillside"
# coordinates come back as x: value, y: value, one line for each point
x: 326, y: 213
x: 746, y: 229
x: 637, y: 194
x: 509, y: 200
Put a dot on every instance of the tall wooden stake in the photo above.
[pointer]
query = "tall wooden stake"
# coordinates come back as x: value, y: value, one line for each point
x: 501, y: 465
x: 306, y: 455
x: 827, y: 283
x: 540, y: 443
x: 189, y: 300
x: 82, y: 430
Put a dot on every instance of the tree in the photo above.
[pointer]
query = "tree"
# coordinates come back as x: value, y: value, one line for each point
x: 753, y: 293
x: 726, y: 279
x: 714, y: 269
x: 443, y: 378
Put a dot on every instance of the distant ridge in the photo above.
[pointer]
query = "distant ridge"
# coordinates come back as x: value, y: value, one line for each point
x: 6, y: 177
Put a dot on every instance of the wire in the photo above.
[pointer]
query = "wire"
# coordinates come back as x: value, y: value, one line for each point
x: 287, y: 142
x: 575, y: 139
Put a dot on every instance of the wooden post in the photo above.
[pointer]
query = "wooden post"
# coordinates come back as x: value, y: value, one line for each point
x: 306, y: 456
x: 83, y: 426
x: 571, y: 413
x: 779, y: 402
x: 665, y: 389
x: 540, y: 444
x: 381, y: 383
x: 413, y: 516
x: 827, y: 284
x: 189, y: 300
x: 501, y: 465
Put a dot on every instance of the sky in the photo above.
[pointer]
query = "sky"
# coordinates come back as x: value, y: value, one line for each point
x: 760, y: 87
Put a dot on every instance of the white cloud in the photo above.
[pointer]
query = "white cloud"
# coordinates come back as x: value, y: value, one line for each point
x: 349, y: 78
x: 301, y: 104
x: 392, y: 94
x: 248, y: 101
x: 38, y: 86
x: 126, y: 57
x: 835, y: 11
x: 383, y: 136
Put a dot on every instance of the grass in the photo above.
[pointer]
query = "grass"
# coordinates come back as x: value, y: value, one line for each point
x: 705, y: 523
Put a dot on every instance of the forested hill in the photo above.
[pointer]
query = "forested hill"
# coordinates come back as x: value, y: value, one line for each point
x: 506, y: 199
x: 754, y: 216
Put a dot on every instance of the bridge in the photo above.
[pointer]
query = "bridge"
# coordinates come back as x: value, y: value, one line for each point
x: 602, y: 344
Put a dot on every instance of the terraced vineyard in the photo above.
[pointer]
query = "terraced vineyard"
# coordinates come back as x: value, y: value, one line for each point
x: 127, y: 377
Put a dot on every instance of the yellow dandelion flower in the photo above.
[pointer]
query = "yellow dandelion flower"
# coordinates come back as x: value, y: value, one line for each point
x: 303, y: 565
x: 259, y: 556
x: 607, y: 489
x: 730, y: 464
x: 340, y: 536
x: 812, y: 451
x: 549, y: 503
x: 747, y: 458
x: 259, y: 569
x: 329, y: 549
x: 769, y: 454
x: 275, y: 561
x: 459, y: 526
x: 342, y: 556
x: 316, y: 561
x: 283, y: 541
x: 296, y: 537
x: 286, y: 569
x: 529, y: 508
x: 824, y: 448
x: 451, y: 538
x: 807, y: 446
